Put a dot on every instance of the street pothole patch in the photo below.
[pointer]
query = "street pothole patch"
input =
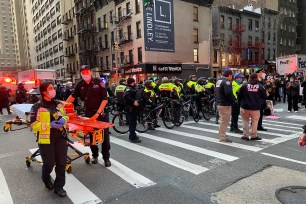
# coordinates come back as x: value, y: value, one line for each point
x: 260, y: 187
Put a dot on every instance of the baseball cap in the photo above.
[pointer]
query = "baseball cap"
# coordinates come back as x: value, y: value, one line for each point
x: 130, y: 80
x: 84, y: 67
x: 260, y: 70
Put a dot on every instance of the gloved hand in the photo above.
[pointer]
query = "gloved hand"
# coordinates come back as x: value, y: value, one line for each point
x: 61, y: 121
x: 55, y: 124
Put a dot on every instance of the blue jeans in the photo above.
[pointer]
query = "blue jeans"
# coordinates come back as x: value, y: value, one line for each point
x: 132, y: 125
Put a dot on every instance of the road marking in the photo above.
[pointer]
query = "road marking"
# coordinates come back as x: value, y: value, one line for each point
x: 275, y: 125
x: 217, y: 131
x: 297, y: 117
x: 277, y: 110
x: 210, y: 139
x: 190, y: 147
x: 5, y: 195
x: 280, y: 122
x: 127, y: 174
x: 76, y: 191
x: 284, y: 158
x: 179, y: 163
x: 261, y: 132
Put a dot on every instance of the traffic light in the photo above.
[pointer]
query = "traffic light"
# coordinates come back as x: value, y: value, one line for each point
x: 148, y: 3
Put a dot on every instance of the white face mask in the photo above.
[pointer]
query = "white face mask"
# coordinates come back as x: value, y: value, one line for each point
x: 86, y: 77
x: 51, y: 94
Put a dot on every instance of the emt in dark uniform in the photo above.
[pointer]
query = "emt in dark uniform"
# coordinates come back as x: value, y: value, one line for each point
x: 93, y: 92
x: 47, y: 121
x: 224, y: 100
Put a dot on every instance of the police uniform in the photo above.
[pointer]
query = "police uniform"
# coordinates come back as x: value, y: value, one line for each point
x: 235, y: 108
x: 119, y: 95
x: 52, y: 144
x: 224, y: 100
x: 191, y: 87
x: 93, y: 94
x: 168, y: 90
x: 21, y: 95
x: 210, y: 87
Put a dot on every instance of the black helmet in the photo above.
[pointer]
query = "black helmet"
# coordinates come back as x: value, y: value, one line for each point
x: 122, y: 81
x: 211, y: 79
x: 192, y: 76
x: 177, y: 80
x: 147, y: 83
x: 201, y: 81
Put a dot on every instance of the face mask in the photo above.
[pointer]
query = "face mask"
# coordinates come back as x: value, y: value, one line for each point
x: 51, y: 94
x: 291, y: 80
x: 86, y: 77
x: 263, y: 75
x: 239, y: 81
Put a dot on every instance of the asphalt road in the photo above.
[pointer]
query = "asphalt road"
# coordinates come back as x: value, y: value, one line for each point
x: 184, y: 165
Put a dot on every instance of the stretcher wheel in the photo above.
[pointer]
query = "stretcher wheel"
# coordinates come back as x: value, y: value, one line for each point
x: 28, y: 163
x: 6, y: 128
x: 69, y: 168
x: 87, y: 159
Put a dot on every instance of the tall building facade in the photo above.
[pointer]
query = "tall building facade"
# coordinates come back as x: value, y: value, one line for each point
x: 8, y: 49
x: 46, y: 35
x: 70, y: 40
x: 301, y: 27
x: 22, y: 35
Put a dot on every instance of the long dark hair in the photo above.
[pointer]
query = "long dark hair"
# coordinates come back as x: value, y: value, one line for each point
x: 43, y: 87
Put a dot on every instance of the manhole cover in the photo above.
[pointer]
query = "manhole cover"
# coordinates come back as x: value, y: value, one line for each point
x: 291, y: 194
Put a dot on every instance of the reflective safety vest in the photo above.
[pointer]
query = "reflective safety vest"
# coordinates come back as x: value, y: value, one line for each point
x: 166, y: 87
x: 236, y: 88
x: 119, y: 92
x: 41, y: 127
x: 199, y: 88
x: 191, y: 84
x: 209, y: 85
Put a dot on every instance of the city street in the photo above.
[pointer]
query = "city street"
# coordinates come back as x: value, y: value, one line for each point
x: 186, y: 164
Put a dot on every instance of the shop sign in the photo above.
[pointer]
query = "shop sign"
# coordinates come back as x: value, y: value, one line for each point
x: 164, y: 68
x: 133, y: 70
x: 159, y: 26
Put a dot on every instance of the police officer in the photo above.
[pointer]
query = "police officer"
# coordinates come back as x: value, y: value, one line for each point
x: 21, y: 94
x: 236, y: 83
x: 210, y: 86
x: 119, y: 94
x: 224, y: 100
x: 151, y: 99
x: 191, y: 84
x: 167, y: 89
x: 131, y: 104
x: 200, y: 90
x: 47, y: 121
x: 93, y: 92
x: 68, y: 90
x: 4, y: 99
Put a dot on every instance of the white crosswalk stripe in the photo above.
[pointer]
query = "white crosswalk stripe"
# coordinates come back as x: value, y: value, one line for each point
x: 213, y: 153
x: 5, y: 195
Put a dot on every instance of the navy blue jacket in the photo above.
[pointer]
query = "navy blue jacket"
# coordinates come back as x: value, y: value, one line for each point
x: 224, y: 92
x: 251, y: 95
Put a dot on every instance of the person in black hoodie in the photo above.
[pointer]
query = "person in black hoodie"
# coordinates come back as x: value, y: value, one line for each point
x: 293, y: 94
x: 250, y: 98
x: 131, y: 104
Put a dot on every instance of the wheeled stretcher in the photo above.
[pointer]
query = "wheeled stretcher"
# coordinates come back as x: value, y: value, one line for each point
x: 81, y: 129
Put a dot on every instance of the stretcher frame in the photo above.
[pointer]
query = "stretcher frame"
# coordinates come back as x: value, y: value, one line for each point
x: 85, y: 132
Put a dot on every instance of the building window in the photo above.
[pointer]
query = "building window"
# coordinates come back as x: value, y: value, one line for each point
x: 130, y: 57
x: 104, y: 22
x: 58, y: 7
x: 195, y: 35
x: 137, y: 6
x: 139, y: 51
x: 222, y: 21
x: 59, y: 33
x: 250, y: 39
x: 138, y: 28
x: 257, y: 57
x: 119, y: 14
x: 56, y: 61
x: 196, y: 55
x: 195, y: 13
x: 129, y: 32
x: 121, y: 57
x: 60, y: 46
x: 58, y: 20
x: 107, y: 62
x: 128, y: 8
x: 268, y: 55
x: 250, y: 24
x: 256, y: 25
x: 256, y: 41
x: 111, y: 16
x: 215, y: 60
x: 106, y: 41
x: 230, y: 23
x: 101, y: 63
x: 269, y: 23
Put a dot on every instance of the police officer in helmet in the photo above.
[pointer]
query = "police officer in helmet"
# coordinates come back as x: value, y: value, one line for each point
x: 119, y: 93
x: 93, y: 92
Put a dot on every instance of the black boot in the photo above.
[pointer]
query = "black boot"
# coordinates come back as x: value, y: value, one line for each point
x: 60, y: 191
x: 107, y: 163
x: 49, y: 185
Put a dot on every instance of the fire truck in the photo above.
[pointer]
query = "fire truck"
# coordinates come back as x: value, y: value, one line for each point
x: 10, y: 84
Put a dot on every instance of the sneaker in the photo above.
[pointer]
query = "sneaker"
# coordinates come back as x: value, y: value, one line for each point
x: 107, y: 163
x: 61, y: 192
x: 49, y: 185
x: 136, y: 141
x: 289, y: 111
x: 94, y: 160
x: 256, y: 138
x: 296, y: 111
x: 237, y: 130
x: 244, y: 138
x: 226, y: 140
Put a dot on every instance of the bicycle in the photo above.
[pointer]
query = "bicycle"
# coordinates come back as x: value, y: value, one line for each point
x: 190, y: 106
x: 121, y: 122
x: 208, y: 106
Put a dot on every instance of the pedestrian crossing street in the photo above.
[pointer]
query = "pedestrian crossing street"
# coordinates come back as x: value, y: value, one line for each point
x: 192, y: 149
